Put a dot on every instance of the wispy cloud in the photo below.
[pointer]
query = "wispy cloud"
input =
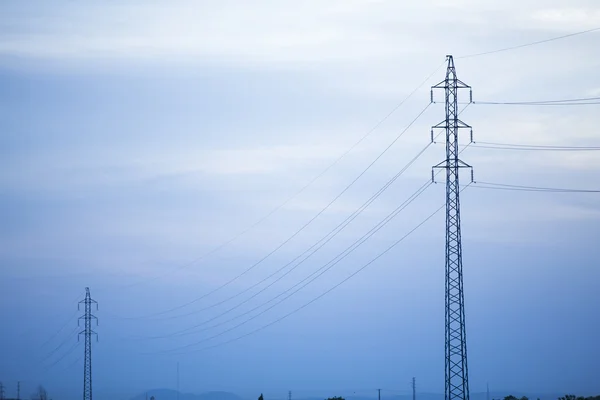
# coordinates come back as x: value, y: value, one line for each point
x: 303, y: 33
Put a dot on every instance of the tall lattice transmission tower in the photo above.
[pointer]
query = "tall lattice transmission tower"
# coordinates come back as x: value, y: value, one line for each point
x: 88, y: 332
x: 456, y: 371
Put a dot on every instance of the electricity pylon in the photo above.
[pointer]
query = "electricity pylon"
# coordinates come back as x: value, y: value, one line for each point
x: 456, y: 371
x: 88, y: 332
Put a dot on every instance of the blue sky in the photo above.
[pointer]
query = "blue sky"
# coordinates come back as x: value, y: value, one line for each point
x: 136, y: 136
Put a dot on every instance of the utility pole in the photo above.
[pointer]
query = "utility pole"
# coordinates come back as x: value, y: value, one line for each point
x: 18, y: 390
x: 379, y: 394
x: 456, y: 371
x: 87, y: 332
x: 487, y: 393
x: 414, y: 389
x: 290, y: 395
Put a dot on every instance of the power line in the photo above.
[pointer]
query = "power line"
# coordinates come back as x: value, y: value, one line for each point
x: 527, y: 190
x: 327, y: 238
x: 581, y: 99
x: 316, y: 274
x: 503, y: 186
x: 311, y: 182
x: 508, y: 146
x: 298, y: 231
x: 531, y: 148
x: 537, y: 145
x: 71, y: 318
x: 530, y: 43
x: 381, y: 254
x: 53, y: 317
x: 346, y: 222
x: 534, y: 146
x: 526, y: 103
x: 61, y: 344
x: 315, y: 247
x: 560, y: 102
x: 65, y: 354
x: 49, y: 354
x: 312, y: 249
x: 74, y: 363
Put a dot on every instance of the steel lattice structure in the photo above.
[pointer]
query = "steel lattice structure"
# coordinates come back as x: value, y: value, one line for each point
x: 88, y: 332
x: 456, y: 371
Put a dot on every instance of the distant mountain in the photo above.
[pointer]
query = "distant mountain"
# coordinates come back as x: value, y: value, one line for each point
x: 168, y: 394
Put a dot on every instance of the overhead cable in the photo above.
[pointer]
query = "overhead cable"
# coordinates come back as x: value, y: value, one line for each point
x: 313, y: 276
x: 503, y: 186
x: 311, y: 182
x: 530, y: 43
x: 298, y: 231
x: 310, y: 251
x: 381, y: 254
x: 338, y: 258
